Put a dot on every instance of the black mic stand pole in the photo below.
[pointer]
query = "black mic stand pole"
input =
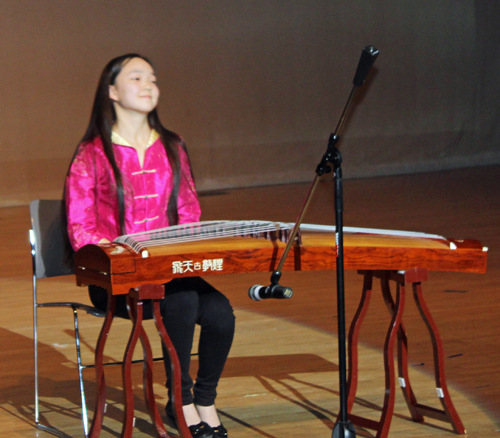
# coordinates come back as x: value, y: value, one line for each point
x: 332, y: 161
x: 343, y: 428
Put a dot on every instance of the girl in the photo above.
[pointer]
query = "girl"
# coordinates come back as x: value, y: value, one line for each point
x: 130, y: 174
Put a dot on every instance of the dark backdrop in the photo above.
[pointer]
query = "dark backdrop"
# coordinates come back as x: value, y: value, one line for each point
x: 255, y: 86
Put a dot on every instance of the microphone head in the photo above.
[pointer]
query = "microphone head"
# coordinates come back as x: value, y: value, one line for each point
x: 253, y: 292
x: 368, y: 57
x: 276, y: 291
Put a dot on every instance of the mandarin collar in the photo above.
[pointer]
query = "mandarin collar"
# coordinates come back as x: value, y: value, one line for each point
x: 117, y: 139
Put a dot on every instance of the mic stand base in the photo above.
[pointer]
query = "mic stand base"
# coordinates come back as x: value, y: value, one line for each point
x: 343, y: 430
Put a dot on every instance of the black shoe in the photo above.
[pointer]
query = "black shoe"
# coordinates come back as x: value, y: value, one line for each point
x: 201, y: 430
x: 219, y: 431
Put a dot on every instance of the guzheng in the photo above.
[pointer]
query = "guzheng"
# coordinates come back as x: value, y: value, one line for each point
x: 136, y: 264
x: 224, y: 247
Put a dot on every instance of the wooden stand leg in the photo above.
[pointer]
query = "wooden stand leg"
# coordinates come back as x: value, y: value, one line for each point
x: 390, y: 377
x: 448, y: 414
x: 176, y: 372
x: 404, y: 378
x: 135, y: 311
x: 135, y: 307
x: 95, y: 429
x: 382, y: 426
x: 353, y: 337
x: 397, y: 330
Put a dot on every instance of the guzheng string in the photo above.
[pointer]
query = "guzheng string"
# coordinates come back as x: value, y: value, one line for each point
x: 198, y: 231
x: 206, y: 230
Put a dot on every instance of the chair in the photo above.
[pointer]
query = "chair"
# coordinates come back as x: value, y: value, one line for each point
x: 52, y: 257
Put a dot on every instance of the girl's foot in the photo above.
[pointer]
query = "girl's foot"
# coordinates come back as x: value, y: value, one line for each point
x: 197, y: 427
x: 220, y: 431
x: 209, y: 415
x: 201, y: 430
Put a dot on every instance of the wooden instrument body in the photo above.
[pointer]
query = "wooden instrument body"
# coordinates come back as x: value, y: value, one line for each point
x: 118, y: 269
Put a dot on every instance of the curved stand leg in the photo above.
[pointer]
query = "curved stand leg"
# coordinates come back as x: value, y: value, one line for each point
x: 404, y: 377
x: 390, y: 379
x: 95, y: 429
x: 396, y: 308
x: 176, y: 372
x: 353, y: 337
x: 448, y: 414
x: 135, y: 311
x: 135, y: 307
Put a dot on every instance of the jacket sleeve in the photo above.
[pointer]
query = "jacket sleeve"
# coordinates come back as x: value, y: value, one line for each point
x: 187, y: 202
x: 80, y: 196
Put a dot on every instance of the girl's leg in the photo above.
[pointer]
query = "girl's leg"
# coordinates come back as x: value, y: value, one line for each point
x: 179, y: 311
x: 189, y: 301
x: 217, y: 322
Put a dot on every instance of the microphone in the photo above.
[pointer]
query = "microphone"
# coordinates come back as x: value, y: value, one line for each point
x: 368, y: 57
x: 259, y: 292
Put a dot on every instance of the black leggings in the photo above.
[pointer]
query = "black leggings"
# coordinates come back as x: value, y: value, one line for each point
x: 189, y: 301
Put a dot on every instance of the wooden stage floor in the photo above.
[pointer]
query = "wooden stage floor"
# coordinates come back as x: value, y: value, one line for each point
x: 281, y: 379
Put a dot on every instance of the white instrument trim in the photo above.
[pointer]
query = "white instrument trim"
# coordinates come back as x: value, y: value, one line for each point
x: 355, y: 230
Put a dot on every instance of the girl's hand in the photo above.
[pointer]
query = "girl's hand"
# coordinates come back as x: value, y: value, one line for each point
x: 103, y: 240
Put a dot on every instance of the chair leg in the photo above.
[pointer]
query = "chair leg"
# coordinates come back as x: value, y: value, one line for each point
x: 35, y: 320
x: 80, y: 374
x: 35, y: 347
x: 49, y: 429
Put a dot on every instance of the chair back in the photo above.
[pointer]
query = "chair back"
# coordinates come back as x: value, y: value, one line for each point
x: 51, y: 249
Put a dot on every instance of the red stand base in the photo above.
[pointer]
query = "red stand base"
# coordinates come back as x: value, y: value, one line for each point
x: 396, y: 331
x: 134, y: 303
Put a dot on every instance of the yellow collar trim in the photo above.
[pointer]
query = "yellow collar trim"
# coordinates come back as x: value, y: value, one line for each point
x: 116, y: 139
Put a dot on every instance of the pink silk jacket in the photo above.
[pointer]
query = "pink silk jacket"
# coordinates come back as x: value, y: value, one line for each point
x: 91, y: 201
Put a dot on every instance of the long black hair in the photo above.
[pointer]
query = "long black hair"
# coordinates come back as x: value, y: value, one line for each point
x: 102, y: 119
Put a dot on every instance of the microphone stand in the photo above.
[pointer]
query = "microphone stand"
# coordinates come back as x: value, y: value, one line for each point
x: 332, y: 161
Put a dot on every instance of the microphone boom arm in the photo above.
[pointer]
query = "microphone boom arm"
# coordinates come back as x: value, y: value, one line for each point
x: 368, y: 57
